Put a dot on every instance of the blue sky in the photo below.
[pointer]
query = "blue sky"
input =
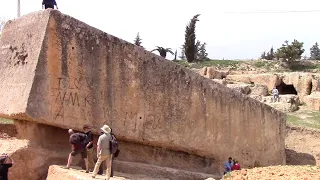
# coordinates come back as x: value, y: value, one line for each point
x: 162, y: 23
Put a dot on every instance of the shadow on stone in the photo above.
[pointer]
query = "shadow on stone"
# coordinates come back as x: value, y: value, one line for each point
x: 7, y: 130
x: 296, y: 158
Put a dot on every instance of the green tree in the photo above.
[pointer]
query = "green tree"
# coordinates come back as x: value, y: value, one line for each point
x: 163, y: 51
x: 269, y: 55
x: 138, y: 40
x: 315, y: 52
x: 182, y: 55
x: 202, y: 54
x: 290, y: 52
x: 190, y: 39
x: 263, y: 55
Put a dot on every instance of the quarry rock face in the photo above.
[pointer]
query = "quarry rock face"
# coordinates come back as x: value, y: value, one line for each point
x: 211, y: 73
x: 302, y: 84
x: 270, y: 80
x: 313, y: 102
x: 286, y: 103
x: 242, y: 88
x: 261, y: 90
x: 59, y: 71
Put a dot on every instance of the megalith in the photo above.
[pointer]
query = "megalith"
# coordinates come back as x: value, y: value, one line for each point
x: 58, y: 71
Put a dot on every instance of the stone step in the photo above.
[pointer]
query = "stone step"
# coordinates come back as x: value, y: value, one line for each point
x: 160, y: 172
x: 129, y: 171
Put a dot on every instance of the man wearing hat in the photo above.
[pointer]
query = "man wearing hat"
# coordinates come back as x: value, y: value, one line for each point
x: 103, y: 151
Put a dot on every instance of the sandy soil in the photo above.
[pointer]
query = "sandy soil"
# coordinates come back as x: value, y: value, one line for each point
x: 303, y: 159
x: 277, y: 173
x: 10, y: 145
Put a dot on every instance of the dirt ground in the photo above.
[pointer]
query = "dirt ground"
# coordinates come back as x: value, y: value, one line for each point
x: 302, y: 146
x: 277, y: 173
x: 303, y: 159
x: 10, y: 145
x: 7, y: 131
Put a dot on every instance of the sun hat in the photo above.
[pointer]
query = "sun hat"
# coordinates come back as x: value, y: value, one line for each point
x: 106, y: 129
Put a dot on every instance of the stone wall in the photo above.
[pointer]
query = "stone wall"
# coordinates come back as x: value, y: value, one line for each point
x: 78, y: 75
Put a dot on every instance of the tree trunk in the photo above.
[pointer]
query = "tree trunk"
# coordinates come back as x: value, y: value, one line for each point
x: 163, y: 54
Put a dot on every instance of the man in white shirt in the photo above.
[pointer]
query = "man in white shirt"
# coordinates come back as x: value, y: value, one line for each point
x: 103, y: 151
x: 275, y: 94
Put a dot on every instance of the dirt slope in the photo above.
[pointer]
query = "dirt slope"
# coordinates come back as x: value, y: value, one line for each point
x: 277, y: 173
x: 302, y: 146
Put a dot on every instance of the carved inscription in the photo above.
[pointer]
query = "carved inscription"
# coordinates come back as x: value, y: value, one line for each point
x: 72, y: 97
x: 72, y: 100
x: 69, y: 98
x: 75, y: 83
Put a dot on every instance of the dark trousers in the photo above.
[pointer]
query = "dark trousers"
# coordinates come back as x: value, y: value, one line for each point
x: 112, y: 167
x: 46, y: 6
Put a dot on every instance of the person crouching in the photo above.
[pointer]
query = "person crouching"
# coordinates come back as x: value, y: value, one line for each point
x: 77, y: 142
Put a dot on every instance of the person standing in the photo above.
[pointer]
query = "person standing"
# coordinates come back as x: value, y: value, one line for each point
x: 89, y: 146
x: 5, y: 163
x: 77, y: 142
x: 275, y: 94
x: 103, y: 151
x: 49, y: 4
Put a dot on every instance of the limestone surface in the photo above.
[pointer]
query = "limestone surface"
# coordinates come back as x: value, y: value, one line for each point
x: 59, y: 71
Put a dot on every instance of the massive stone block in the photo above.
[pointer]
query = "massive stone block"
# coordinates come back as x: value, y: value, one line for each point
x: 58, y: 71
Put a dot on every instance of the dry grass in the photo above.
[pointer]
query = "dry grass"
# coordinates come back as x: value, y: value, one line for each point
x: 304, y: 118
x: 6, y: 121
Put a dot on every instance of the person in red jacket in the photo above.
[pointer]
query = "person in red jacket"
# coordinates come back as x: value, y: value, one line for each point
x: 236, y: 166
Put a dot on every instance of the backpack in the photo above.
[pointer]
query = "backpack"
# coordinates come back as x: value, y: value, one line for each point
x: 84, y: 139
x: 113, y: 144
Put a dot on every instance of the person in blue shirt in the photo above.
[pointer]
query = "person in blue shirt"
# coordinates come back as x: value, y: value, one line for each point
x: 228, y: 165
x: 49, y: 4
